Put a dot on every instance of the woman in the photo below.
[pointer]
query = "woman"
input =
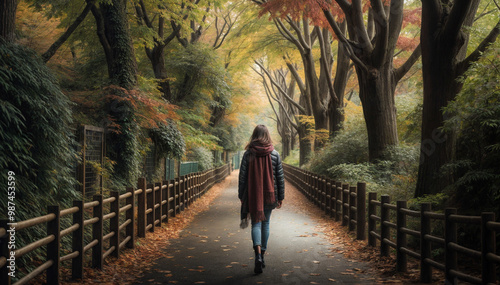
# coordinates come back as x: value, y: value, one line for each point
x: 261, y: 189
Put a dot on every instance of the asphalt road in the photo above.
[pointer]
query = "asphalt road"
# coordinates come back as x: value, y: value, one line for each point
x: 214, y: 250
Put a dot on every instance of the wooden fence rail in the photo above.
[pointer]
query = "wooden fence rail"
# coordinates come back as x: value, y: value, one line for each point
x: 144, y: 208
x: 387, y: 227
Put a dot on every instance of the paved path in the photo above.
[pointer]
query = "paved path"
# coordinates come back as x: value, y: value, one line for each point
x: 214, y: 250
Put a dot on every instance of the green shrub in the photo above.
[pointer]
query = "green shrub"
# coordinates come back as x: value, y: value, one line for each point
x: 476, y: 121
x: 293, y: 159
x: 204, y: 157
x: 37, y: 143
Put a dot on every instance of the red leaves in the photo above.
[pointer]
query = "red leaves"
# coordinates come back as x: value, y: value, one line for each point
x: 297, y: 9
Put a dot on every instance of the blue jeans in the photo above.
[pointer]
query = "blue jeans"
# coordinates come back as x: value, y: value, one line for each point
x: 260, y: 231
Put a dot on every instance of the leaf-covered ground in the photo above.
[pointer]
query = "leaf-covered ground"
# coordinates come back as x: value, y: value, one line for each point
x: 367, y: 266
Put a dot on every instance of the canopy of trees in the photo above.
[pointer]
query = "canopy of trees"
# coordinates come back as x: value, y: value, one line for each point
x: 382, y: 90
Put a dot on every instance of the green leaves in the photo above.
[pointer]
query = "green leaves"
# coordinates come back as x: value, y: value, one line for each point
x: 168, y: 140
x: 475, y: 118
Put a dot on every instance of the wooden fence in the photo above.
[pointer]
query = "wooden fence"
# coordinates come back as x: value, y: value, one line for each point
x: 388, y: 227
x: 144, y: 209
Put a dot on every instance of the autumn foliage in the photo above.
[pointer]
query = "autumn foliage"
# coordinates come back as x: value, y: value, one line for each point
x: 297, y: 9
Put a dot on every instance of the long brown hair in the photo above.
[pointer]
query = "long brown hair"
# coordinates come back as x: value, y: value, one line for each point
x: 260, y: 135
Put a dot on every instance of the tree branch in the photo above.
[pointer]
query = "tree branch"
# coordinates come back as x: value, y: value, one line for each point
x: 344, y: 4
x: 342, y: 38
x: 456, y: 19
x: 269, y: 94
x: 300, y: 36
x: 99, y: 21
x: 324, y: 64
x: 280, y: 89
x: 476, y: 54
x: 296, y: 75
x: 288, y: 35
x: 46, y: 56
x: 403, y: 69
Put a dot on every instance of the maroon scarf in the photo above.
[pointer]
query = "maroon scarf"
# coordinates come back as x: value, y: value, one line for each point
x: 260, y: 180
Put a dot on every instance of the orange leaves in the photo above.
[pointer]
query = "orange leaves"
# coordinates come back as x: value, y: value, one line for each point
x: 407, y: 44
x: 298, y: 9
x: 413, y: 17
x: 148, y: 110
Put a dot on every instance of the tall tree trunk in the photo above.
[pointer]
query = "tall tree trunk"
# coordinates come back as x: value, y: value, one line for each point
x: 341, y: 76
x: 305, y: 144
x: 114, y: 35
x: 376, y: 92
x: 123, y: 67
x: 8, y: 20
x: 158, y: 62
x: 371, y: 51
x: 443, y: 62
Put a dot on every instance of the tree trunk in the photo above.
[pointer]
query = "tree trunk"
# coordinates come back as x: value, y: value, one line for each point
x: 122, y: 70
x: 442, y: 52
x: 8, y: 20
x: 377, y: 97
x: 339, y: 84
x: 157, y: 59
x: 305, y: 145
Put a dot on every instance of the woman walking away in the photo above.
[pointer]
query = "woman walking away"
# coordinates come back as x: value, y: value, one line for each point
x: 261, y: 188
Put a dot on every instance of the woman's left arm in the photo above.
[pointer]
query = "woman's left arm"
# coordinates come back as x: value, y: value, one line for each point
x: 280, y: 180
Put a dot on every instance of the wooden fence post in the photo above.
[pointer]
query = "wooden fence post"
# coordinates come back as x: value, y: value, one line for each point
x: 328, y: 197
x: 372, y: 224
x: 488, y: 246
x: 345, y: 204
x: 77, y: 242
x: 150, y: 204
x: 185, y: 191
x: 141, y: 208
x: 4, y: 251
x: 401, y: 239
x: 97, y: 230
x: 177, y: 198
x: 450, y: 236
x: 159, y: 200
x: 325, y: 188
x: 316, y: 189
x: 114, y: 223
x: 384, y: 230
x: 425, y: 245
x: 338, y: 201
x: 54, y: 228
x: 361, y: 212
x: 352, y: 211
x: 130, y: 229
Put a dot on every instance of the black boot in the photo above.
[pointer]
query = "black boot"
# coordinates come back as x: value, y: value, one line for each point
x: 262, y: 252
x: 258, y: 262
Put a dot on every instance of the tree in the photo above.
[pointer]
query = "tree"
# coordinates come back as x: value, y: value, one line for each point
x: 444, y: 45
x: 300, y: 119
x: 8, y: 20
x: 62, y: 39
x: 476, y: 120
x: 278, y: 90
x: 371, y: 47
x: 114, y: 36
x: 321, y: 93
